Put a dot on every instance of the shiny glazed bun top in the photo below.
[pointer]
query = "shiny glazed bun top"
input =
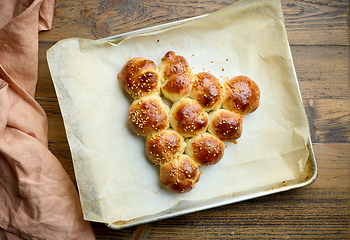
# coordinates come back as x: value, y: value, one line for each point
x: 242, y: 95
x: 207, y: 90
x: 179, y: 175
x: 176, y: 75
x: 225, y: 125
x: 148, y: 115
x: 164, y: 146
x: 140, y: 77
x: 188, y: 118
x: 205, y: 149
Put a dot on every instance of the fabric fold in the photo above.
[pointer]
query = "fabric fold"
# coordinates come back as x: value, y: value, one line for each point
x: 37, y: 198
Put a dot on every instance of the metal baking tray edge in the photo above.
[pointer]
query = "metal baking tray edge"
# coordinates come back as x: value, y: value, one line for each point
x: 307, y: 177
x: 150, y: 30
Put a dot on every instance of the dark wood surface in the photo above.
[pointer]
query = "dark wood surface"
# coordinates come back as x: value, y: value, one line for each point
x: 318, y: 32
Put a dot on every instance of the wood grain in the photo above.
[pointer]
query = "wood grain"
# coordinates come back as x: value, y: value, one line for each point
x: 333, y: 163
x: 329, y: 120
x: 98, y: 19
x: 318, y: 32
x: 318, y: 76
x: 316, y: 22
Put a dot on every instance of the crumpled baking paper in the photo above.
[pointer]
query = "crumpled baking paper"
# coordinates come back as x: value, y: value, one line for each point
x: 116, y: 181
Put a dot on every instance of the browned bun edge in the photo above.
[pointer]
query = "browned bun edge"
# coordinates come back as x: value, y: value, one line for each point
x: 225, y: 125
x: 205, y: 149
x: 148, y: 115
x: 207, y: 90
x: 179, y: 175
x: 188, y: 118
x: 140, y: 78
x: 241, y: 95
x: 164, y: 146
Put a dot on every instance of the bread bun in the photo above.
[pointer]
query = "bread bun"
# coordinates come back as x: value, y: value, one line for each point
x: 241, y: 95
x: 179, y: 175
x: 148, y: 115
x: 205, y: 149
x: 140, y: 77
x: 177, y: 76
x: 207, y: 90
x: 188, y: 118
x: 164, y: 146
x: 225, y: 125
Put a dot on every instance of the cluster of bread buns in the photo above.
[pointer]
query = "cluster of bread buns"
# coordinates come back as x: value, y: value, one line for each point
x: 204, y: 113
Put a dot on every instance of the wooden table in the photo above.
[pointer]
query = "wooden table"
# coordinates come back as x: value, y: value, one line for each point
x: 318, y: 32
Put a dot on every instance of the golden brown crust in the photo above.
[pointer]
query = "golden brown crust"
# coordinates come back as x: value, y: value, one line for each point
x: 242, y: 95
x: 225, y: 125
x: 207, y: 90
x: 177, y: 76
x: 205, y: 149
x: 148, y: 115
x: 188, y: 118
x: 164, y: 146
x: 193, y: 97
x: 179, y: 175
x: 140, y: 77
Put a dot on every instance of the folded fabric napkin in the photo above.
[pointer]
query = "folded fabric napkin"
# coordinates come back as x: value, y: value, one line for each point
x: 37, y: 198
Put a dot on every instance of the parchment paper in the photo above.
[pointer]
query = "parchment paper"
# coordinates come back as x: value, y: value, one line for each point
x: 116, y: 182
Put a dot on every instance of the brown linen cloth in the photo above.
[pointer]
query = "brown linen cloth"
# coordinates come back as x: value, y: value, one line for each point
x: 37, y: 198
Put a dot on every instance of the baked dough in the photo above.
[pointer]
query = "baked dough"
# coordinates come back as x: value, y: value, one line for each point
x: 205, y: 149
x: 207, y: 91
x: 176, y: 76
x: 225, y: 125
x: 241, y: 95
x: 204, y: 114
x: 140, y: 77
x: 188, y: 118
x: 164, y: 146
x: 179, y: 175
x: 148, y: 115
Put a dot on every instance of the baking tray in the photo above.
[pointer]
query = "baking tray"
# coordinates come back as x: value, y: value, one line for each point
x: 307, y: 177
x: 77, y: 65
